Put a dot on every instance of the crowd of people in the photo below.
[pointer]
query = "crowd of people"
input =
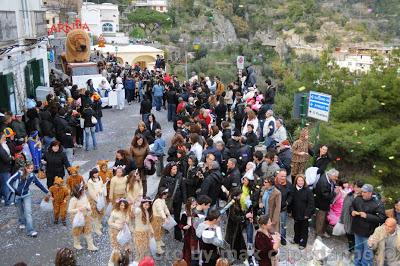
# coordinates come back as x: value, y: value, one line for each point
x: 229, y: 160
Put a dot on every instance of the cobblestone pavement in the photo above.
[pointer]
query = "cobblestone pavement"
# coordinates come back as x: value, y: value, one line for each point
x: 119, y: 127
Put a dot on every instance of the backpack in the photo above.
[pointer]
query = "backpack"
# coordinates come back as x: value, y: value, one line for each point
x: 244, y: 157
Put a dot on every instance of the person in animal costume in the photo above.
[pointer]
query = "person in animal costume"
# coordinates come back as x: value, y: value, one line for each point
x: 301, y: 150
x: 80, y: 203
x: 96, y: 192
x: 106, y: 174
x: 74, y: 177
x: 59, y: 196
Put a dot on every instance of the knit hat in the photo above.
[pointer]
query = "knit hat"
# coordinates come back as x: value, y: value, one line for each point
x: 8, y: 132
x: 367, y: 188
x: 147, y: 261
x: 34, y: 133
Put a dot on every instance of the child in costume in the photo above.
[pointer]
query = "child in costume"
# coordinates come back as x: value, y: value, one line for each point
x: 74, y: 177
x: 106, y: 174
x: 160, y: 214
x: 118, y: 218
x: 96, y: 189
x: 59, y: 195
x: 118, y: 185
x: 143, y: 229
x: 35, y: 147
x: 80, y: 203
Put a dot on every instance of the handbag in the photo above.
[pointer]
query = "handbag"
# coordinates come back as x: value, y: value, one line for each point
x: 94, y: 120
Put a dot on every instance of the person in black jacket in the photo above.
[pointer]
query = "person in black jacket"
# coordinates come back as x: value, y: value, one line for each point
x: 212, y: 182
x: 251, y: 137
x: 172, y: 100
x: 226, y: 131
x: 220, y: 111
x: 143, y: 130
x: 286, y: 190
x: 60, y: 123
x: 5, y: 168
x: 56, y: 162
x: 302, y: 208
x: 324, y: 195
x: 47, y: 128
x: 152, y: 125
x: 177, y: 193
x: 145, y: 108
x: 98, y: 111
x: 88, y: 114
x: 270, y: 94
x: 322, y: 159
x: 192, y: 179
x: 233, y: 176
x: 368, y: 213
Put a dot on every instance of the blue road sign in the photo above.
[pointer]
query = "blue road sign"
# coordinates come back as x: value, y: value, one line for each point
x: 319, y: 105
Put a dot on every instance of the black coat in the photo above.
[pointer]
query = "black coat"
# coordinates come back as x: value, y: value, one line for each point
x: 375, y: 216
x: 87, y: 115
x: 220, y: 111
x: 234, y: 228
x: 324, y: 193
x: 145, y: 107
x: 97, y: 109
x: 153, y: 128
x: 285, y: 158
x: 286, y: 195
x: 211, y: 185
x: 192, y: 181
x: 56, y: 163
x: 226, y: 135
x: 60, y: 124
x: 5, y: 161
x: 322, y: 163
x: 232, y: 178
x: 302, y: 206
x: 46, y: 124
x: 170, y: 183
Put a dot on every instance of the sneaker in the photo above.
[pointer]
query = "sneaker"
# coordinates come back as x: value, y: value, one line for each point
x: 22, y: 226
x: 33, y: 234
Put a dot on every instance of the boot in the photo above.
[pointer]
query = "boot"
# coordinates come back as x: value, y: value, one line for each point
x: 162, y: 243
x: 77, y: 243
x: 159, y: 248
x: 97, y: 228
x: 89, y: 241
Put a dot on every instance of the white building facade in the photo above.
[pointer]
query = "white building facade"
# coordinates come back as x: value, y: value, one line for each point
x: 101, y: 18
x: 158, y: 5
x: 23, y: 52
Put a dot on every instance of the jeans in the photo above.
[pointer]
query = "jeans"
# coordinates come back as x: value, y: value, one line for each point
x: 283, y: 221
x: 92, y: 132
x: 159, y: 165
x: 249, y: 232
x: 145, y: 117
x: 24, y: 207
x: 69, y: 152
x: 130, y: 95
x: 261, y: 127
x: 269, y: 142
x: 5, y: 190
x: 99, y: 125
x: 171, y: 112
x: 47, y: 141
x: 158, y: 102
x: 320, y: 222
x: 363, y: 255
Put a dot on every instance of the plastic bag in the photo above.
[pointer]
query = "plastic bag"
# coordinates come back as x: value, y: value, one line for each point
x: 338, y: 230
x: 109, y: 209
x: 153, y: 246
x: 101, y: 202
x: 46, y: 206
x: 169, y: 223
x: 124, y: 236
x: 79, y: 220
x: 320, y: 251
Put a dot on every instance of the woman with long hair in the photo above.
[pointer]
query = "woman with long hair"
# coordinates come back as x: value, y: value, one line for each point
x: 235, y: 226
x: 190, y: 241
x: 79, y: 203
x: 19, y: 184
x: 177, y: 143
x: 152, y: 125
x: 173, y: 180
x: 193, y: 182
x: 143, y: 229
x: 118, y: 185
x: 143, y: 130
x: 139, y: 150
x: 251, y: 119
x: 160, y: 214
x: 220, y: 111
x: 124, y: 159
x: 267, y: 242
x: 96, y: 190
x: 302, y: 208
x: 118, y: 218
x: 134, y: 188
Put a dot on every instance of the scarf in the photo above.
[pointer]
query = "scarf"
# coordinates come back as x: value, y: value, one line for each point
x: 265, y: 199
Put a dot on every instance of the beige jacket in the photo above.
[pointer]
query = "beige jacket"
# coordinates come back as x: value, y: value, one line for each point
x: 118, y: 219
x: 377, y: 242
x: 75, y: 204
x: 96, y: 188
x: 118, y: 186
x: 160, y: 208
x: 135, y: 194
x: 139, y: 225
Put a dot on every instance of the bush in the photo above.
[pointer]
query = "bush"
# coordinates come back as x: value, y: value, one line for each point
x: 138, y: 33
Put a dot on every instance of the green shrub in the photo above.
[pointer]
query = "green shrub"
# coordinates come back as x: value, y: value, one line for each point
x: 310, y: 38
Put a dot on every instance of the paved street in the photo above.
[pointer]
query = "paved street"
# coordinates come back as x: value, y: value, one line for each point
x: 119, y: 128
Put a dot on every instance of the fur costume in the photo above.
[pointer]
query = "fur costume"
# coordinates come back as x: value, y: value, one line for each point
x: 105, y: 174
x: 74, y: 178
x: 77, y: 46
x: 60, y: 196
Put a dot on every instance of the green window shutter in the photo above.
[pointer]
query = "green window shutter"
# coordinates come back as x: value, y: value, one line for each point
x: 11, y: 93
x: 29, y: 81
x: 41, y: 71
x: 4, y: 100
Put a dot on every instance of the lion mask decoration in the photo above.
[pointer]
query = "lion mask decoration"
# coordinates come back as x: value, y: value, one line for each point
x: 77, y: 46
